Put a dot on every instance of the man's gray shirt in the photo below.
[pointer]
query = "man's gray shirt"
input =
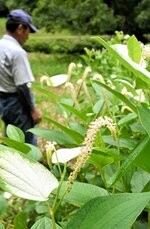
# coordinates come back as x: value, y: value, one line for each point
x: 15, y: 69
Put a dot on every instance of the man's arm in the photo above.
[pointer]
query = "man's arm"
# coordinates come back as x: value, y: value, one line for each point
x: 27, y: 100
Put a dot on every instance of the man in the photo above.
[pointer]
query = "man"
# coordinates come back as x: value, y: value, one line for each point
x: 17, y: 105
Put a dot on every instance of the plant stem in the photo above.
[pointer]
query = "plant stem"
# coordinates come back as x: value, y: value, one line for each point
x: 61, y: 199
x: 104, y: 179
x: 59, y: 187
x: 51, y: 212
x: 59, y: 168
x: 148, y: 220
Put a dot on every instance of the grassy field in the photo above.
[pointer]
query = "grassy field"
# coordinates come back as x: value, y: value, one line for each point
x: 50, y: 64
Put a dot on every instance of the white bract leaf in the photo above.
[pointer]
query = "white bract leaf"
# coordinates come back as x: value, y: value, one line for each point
x: 123, y: 51
x: 65, y: 155
x: 25, y: 177
x: 58, y: 80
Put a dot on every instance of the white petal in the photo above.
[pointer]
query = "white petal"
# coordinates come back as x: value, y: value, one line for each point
x: 58, y: 80
x: 25, y: 177
x: 64, y: 155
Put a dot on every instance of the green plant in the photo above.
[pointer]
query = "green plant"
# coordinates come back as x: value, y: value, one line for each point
x: 105, y: 124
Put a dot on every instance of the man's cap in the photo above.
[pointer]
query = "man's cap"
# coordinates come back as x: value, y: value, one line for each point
x: 22, y: 17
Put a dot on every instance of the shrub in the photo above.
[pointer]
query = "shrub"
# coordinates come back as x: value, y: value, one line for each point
x: 64, y: 44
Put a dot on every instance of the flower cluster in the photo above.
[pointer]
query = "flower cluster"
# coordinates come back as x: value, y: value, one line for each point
x: 146, y: 52
x: 86, y: 149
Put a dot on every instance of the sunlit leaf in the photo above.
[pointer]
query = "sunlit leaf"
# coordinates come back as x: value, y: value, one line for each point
x: 25, y: 177
x: 134, y: 49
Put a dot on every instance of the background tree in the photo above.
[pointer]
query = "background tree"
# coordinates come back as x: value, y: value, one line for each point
x: 93, y: 17
x: 134, y: 16
x: 3, y: 9
x: 26, y: 5
x: 143, y: 16
x: 76, y: 17
x: 86, y: 16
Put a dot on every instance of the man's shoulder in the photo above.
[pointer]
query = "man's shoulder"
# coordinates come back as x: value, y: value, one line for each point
x: 11, y: 47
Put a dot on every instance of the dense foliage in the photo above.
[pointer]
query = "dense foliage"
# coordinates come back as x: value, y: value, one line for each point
x: 88, y: 16
x: 99, y: 113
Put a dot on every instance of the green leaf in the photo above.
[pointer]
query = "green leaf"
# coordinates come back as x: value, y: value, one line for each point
x: 123, y: 142
x: 25, y: 177
x: 136, y: 127
x: 3, y: 205
x: 128, y: 85
x: 34, y: 152
x: 40, y: 208
x: 143, y: 159
x: 144, y: 115
x: 15, y: 133
x: 103, y: 156
x: 134, y: 49
x: 100, y: 160
x: 81, y: 193
x: 71, y: 133
x: 54, y: 135
x: 73, y: 110
x: 78, y: 127
x: 139, y: 180
x: 22, y: 147
x: 144, y: 145
x: 117, y: 94
x: 44, y: 223
x: 2, y: 226
x: 126, y: 119
x: 20, y: 221
x: 46, y: 92
x: 98, y: 106
x: 118, y: 52
x: 113, y: 212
